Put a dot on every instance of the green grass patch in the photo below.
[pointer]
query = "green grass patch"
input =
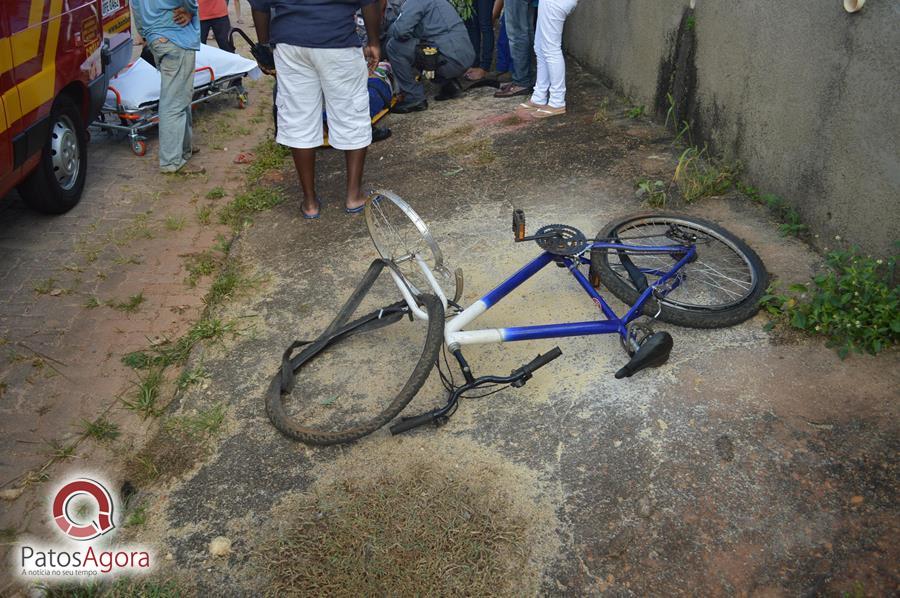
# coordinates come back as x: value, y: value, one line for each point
x: 199, y: 265
x: 203, y: 423
x: 215, y: 193
x: 176, y: 353
x: 635, y: 112
x: 137, y: 517
x: 145, y: 399
x: 855, y: 304
x: 191, y: 376
x: 174, y: 223
x: 45, y: 286
x: 101, y: 429
x: 790, y: 221
x: 269, y: 156
x: 130, y: 305
x: 697, y: 176
x: 242, y: 208
x: 204, y: 215
x: 655, y: 193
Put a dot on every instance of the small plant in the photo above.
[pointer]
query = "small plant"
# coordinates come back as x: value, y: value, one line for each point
x: 635, y: 112
x: 174, y: 223
x: 100, y: 429
x: 130, y: 305
x: 45, y: 287
x: 192, y: 376
x: 204, y: 423
x: 791, y: 223
x: 199, y: 265
x: 146, y: 396
x: 61, y: 451
x: 698, y: 177
x: 215, y: 193
x: 854, y: 304
x: 92, y: 302
x: 204, y: 215
x: 602, y: 112
x: 137, y: 517
x: 654, y: 192
x: 690, y: 23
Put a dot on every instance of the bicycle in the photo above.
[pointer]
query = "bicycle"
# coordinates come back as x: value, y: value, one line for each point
x: 675, y: 268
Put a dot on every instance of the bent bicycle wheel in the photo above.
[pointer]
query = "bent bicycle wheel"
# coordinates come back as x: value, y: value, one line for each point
x: 399, y: 234
x: 721, y: 287
x: 346, y: 385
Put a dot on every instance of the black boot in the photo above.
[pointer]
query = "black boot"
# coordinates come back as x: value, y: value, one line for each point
x: 450, y: 90
x: 407, y: 107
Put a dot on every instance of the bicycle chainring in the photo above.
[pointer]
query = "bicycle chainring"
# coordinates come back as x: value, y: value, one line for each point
x: 567, y: 240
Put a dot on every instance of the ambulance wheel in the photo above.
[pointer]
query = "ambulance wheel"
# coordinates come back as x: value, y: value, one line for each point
x: 139, y: 147
x: 56, y: 184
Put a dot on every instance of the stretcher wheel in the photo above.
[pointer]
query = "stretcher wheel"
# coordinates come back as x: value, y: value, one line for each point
x: 139, y: 147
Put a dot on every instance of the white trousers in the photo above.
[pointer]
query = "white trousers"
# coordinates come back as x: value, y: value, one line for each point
x: 550, y: 86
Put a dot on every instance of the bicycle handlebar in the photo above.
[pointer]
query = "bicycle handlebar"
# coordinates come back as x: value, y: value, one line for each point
x: 541, y: 360
x: 516, y: 379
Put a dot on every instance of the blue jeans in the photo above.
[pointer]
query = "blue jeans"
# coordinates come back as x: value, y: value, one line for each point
x: 176, y: 69
x: 519, y: 16
x: 504, y: 60
x: 402, y: 55
x: 481, y: 32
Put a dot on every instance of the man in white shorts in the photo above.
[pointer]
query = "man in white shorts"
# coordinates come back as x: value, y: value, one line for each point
x: 318, y: 57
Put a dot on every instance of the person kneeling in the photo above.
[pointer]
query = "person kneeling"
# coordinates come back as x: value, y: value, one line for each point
x: 436, y: 23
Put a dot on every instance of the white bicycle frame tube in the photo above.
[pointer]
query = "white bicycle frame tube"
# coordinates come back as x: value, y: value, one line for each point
x: 453, y: 333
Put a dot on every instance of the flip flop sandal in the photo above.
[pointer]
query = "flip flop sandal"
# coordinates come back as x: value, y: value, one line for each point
x: 312, y: 216
x: 355, y: 210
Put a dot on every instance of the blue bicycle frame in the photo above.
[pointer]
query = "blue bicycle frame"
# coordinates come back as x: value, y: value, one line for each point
x: 455, y: 336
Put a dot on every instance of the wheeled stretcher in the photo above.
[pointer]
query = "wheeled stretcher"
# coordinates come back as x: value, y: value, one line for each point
x: 132, y: 100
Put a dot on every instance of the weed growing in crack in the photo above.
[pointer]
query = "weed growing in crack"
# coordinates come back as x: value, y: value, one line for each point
x: 697, y: 176
x: 215, y: 193
x: 174, y: 223
x: 146, y: 396
x: 100, y: 429
x: 130, y: 305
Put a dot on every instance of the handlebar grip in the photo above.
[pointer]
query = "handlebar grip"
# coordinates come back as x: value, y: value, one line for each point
x: 409, y: 423
x: 542, y: 360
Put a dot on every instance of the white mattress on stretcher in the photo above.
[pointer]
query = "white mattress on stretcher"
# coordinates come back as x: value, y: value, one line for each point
x: 138, y: 84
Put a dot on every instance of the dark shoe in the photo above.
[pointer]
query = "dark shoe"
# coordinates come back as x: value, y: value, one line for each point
x: 407, y: 107
x: 380, y: 134
x: 450, y: 90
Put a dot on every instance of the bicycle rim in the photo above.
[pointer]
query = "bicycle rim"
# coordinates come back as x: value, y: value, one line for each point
x: 399, y: 234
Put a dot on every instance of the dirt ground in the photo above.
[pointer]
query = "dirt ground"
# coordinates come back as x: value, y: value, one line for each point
x: 751, y: 464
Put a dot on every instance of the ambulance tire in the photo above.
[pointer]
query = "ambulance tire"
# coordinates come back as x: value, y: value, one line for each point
x: 47, y: 190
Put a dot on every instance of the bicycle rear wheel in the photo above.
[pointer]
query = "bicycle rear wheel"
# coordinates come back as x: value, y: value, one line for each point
x: 721, y: 287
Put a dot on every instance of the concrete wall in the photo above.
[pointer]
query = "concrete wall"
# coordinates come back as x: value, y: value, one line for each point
x: 806, y: 95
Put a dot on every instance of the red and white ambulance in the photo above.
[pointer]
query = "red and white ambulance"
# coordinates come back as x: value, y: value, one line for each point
x: 56, y: 59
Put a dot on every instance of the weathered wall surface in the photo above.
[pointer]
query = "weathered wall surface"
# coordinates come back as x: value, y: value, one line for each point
x: 806, y: 95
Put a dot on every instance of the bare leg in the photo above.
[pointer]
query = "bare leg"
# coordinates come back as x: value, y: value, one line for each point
x: 356, y: 160
x: 305, y: 162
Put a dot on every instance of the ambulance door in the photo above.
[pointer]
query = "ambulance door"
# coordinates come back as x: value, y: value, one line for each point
x: 9, y: 101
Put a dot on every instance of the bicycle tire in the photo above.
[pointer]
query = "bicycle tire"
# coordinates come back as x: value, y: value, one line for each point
x: 293, y: 429
x: 683, y: 315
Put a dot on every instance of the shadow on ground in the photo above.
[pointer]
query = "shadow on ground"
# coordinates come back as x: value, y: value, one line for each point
x: 747, y: 465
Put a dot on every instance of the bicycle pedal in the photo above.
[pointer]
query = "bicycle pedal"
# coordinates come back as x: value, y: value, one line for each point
x: 653, y: 352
